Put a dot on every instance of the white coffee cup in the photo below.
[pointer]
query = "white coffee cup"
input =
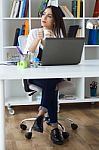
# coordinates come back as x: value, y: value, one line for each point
x: 48, y: 33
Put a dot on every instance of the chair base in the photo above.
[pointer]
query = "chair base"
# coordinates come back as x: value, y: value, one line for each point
x: 28, y: 133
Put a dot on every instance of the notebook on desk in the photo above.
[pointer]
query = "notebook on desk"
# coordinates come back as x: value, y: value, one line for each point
x: 62, y: 51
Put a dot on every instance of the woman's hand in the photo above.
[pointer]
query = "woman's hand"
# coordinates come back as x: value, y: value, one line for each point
x: 40, y: 34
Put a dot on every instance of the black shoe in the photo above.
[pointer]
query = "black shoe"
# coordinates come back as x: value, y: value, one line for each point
x: 38, y: 124
x: 56, y: 136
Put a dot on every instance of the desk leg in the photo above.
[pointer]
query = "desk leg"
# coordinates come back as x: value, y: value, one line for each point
x: 2, y: 116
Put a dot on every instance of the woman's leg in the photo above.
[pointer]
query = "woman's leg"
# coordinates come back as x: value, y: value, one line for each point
x: 49, y: 102
x: 49, y: 96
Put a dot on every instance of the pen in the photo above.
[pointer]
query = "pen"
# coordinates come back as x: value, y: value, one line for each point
x: 19, y: 51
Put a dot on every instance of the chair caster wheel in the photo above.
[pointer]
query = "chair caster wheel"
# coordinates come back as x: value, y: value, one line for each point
x: 74, y: 126
x: 10, y: 109
x: 28, y: 135
x: 65, y: 135
x: 23, y: 126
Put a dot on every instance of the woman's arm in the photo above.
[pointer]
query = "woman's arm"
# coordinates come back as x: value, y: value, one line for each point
x: 35, y: 37
x: 36, y: 41
x: 34, y: 45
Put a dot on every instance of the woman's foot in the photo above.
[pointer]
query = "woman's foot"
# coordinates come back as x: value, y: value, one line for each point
x: 38, y: 124
x: 56, y: 136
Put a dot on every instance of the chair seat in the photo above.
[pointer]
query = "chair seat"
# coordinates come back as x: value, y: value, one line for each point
x: 34, y: 87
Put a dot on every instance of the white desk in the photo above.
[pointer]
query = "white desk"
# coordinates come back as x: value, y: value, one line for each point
x: 12, y: 72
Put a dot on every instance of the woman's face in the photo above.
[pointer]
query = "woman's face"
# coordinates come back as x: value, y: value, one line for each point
x: 47, y: 20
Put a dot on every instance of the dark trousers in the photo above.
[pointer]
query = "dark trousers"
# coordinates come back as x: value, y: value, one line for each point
x: 49, y: 95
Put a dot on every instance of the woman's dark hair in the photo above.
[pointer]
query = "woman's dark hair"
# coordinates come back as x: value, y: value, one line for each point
x: 59, y: 27
x: 59, y: 23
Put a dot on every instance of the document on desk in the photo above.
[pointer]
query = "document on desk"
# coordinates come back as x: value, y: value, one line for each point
x: 8, y: 63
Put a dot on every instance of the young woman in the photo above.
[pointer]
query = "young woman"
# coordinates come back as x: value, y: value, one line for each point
x: 52, y: 25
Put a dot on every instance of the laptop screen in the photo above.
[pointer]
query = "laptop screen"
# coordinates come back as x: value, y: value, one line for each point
x: 62, y: 51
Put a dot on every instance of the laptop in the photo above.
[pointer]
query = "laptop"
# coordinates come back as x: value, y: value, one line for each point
x: 62, y: 51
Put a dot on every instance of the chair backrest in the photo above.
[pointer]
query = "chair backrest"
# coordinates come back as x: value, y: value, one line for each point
x: 22, y: 39
x: 27, y: 87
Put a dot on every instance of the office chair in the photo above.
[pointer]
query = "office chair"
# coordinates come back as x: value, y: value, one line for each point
x: 63, y: 87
